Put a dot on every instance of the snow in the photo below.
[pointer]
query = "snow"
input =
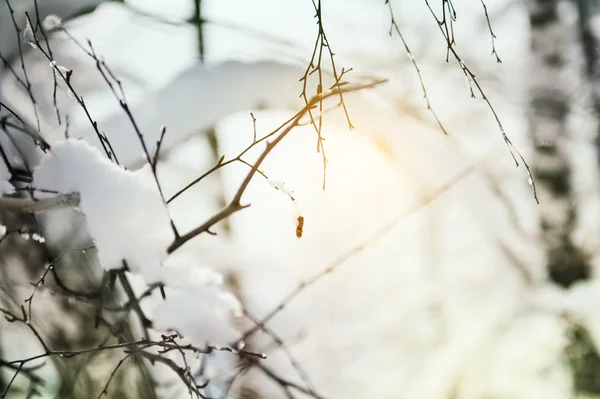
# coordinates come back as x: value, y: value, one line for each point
x: 62, y: 8
x: 203, y: 315
x: 435, y: 306
x: 5, y: 186
x: 124, y: 212
x: 28, y: 35
x: 127, y: 220
x: 51, y: 22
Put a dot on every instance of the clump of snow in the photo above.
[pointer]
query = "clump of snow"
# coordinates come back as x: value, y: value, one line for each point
x: 128, y: 220
x: 52, y: 21
x: 38, y: 238
x: 197, y: 306
x: 202, y: 314
x: 34, y: 237
x: 28, y: 35
x: 124, y: 213
x: 181, y: 272
x: 5, y: 186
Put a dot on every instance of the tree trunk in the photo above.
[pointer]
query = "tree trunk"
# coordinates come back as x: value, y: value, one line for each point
x: 550, y: 103
x: 558, y: 50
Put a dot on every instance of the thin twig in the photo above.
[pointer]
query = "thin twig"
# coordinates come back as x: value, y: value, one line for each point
x: 235, y: 205
x: 470, y: 76
x: 383, y: 230
x: 28, y: 205
x: 394, y: 27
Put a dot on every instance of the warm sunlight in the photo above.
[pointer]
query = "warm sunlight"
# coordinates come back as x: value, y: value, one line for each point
x: 318, y: 199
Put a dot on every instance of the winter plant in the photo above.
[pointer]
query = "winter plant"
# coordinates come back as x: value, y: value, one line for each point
x: 103, y: 283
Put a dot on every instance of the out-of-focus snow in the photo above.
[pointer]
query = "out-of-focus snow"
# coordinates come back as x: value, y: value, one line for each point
x: 228, y: 88
x: 28, y: 346
x: 432, y: 317
x: 127, y: 220
x: 203, y: 315
x: 62, y: 8
x: 451, y: 301
x: 5, y: 186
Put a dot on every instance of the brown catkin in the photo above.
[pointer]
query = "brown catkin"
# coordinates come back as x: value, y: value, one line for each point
x: 300, y: 226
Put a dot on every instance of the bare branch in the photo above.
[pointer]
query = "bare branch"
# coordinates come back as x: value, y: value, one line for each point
x: 235, y: 204
x: 29, y: 205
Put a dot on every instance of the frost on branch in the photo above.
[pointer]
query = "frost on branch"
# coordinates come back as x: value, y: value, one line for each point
x: 124, y: 213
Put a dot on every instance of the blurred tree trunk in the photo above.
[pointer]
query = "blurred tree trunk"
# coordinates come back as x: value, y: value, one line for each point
x: 550, y: 103
x: 558, y: 50
x: 589, y: 14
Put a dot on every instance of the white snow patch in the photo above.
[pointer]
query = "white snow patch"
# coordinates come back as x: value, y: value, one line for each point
x: 125, y: 215
x: 203, y: 315
x: 5, y: 186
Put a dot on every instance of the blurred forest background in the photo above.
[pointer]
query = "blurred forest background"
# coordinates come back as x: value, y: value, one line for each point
x: 447, y: 279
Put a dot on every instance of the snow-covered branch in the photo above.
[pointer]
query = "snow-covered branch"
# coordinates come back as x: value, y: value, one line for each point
x: 29, y: 205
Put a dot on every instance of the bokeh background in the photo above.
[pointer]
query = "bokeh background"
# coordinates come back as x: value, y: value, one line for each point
x: 443, y: 290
